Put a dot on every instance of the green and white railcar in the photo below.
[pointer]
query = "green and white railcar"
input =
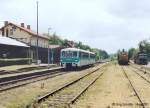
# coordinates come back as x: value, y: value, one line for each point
x: 73, y: 57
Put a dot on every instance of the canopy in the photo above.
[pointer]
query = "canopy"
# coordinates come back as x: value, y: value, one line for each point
x: 13, y: 42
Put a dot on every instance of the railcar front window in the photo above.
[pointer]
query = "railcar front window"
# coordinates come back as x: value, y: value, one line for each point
x: 74, y: 54
x: 68, y: 54
x: 63, y: 54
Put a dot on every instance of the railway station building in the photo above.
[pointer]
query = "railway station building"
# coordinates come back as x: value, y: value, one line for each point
x: 25, y: 35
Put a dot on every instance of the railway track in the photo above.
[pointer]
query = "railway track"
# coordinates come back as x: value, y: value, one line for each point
x: 142, y: 76
x: 144, y: 71
x: 7, y: 83
x: 68, y: 93
x: 11, y: 82
x: 25, y: 69
x: 4, y: 72
x: 136, y: 91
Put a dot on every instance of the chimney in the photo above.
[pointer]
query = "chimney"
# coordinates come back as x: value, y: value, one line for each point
x: 5, y: 23
x: 22, y: 25
x: 28, y: 27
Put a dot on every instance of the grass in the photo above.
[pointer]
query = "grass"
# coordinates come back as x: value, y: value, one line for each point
x: 22, y: 96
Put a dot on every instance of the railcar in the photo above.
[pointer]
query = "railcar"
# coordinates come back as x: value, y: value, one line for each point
x: 141, y: 58
x: 123, y: 58
x: 74, y: 57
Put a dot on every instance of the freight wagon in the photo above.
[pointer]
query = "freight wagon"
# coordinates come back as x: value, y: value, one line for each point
x: 123, y: 58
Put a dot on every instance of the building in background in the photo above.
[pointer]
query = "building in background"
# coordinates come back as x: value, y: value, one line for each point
x: 69, y: 44
x: 55, y: 51
x: 24, y: 34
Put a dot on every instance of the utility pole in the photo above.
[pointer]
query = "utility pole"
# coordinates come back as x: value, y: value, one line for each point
x: 30, y: 51
x: 37, y: 52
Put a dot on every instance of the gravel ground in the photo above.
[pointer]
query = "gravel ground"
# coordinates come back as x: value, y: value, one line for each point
x: 141, y: 86
x: 15, y: 67
x: 22, y: 96
x: 143, y: 74
x: 27, y: 72
x: 148, y: 65
x: 112, y: 90
x: 59, y: 99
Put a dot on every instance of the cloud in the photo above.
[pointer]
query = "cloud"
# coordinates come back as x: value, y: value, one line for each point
x: 130, y: 8
x: 105, y: 24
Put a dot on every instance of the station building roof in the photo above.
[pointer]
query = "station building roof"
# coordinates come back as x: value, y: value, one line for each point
x: 12, y: 42
x: 33, y: 33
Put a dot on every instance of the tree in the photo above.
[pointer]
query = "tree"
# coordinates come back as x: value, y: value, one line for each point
x: 113, y: 56
x: 132, y: 52
x: 145, y: 47
x: 54, y: 39
x: 79, y: 45
x: 100, y: 54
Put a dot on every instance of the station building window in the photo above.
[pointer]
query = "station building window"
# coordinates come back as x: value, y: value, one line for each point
x: 7, y: 32
x: 11, y: 31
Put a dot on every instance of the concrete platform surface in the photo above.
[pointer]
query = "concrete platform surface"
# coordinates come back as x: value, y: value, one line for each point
x: 17, y: 67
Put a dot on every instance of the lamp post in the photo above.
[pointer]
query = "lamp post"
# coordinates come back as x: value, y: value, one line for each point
x: 48, y: 47
x: 37, y: 52
x: 52, y: 55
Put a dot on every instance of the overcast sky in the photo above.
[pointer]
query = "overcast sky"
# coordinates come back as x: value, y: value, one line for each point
x: 104, y: 24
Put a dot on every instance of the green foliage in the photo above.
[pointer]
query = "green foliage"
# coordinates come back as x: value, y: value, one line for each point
x: 132, y: 52
x: 113, y: 56
x: 81, y: 46
x: 145, y: 46
x: 55, y: 40
x: 96, y: 51
x: 103, y: 54
x: 100, y: 54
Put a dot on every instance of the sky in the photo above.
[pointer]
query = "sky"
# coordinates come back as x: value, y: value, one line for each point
x: 105, y: 24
